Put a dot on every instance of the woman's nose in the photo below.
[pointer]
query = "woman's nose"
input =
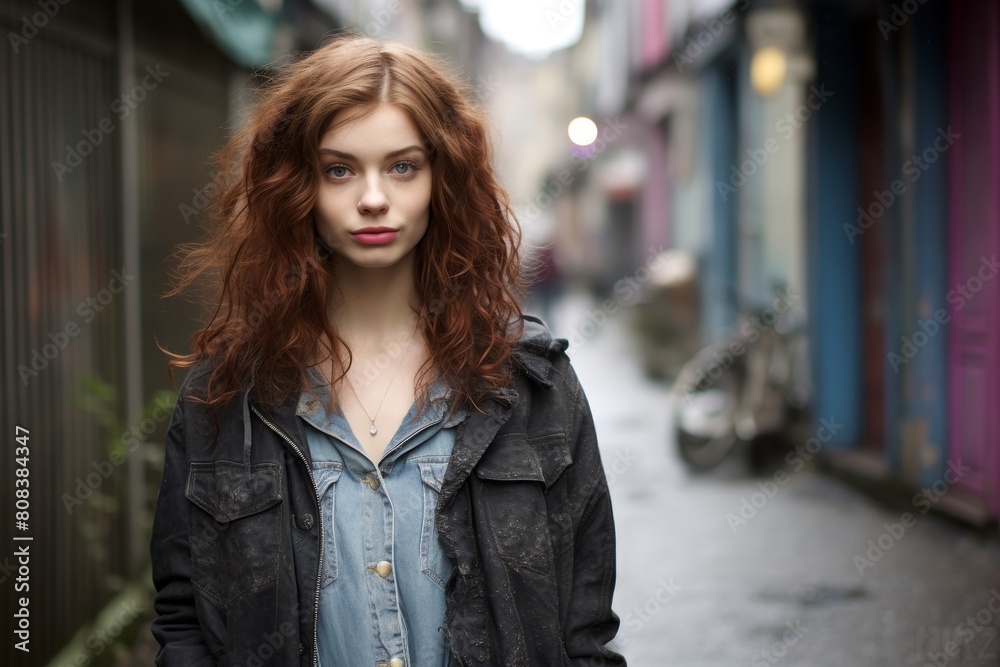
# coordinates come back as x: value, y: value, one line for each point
x: 373, y: 200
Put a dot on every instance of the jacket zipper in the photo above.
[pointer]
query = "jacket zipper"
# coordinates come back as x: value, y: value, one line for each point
x: 319, y: 515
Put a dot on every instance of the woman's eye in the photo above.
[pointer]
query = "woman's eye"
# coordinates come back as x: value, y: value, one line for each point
x: 404, y: 168
x: 337, y: 171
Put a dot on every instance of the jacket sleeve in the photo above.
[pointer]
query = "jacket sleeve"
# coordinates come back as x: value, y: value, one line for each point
x: 176, y: 625
x: 591, y: 623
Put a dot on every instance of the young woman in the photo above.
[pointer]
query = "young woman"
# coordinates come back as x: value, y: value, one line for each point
x: 375, y: 458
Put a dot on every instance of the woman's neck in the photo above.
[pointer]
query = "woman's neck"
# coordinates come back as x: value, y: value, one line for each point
x: 371, y: 307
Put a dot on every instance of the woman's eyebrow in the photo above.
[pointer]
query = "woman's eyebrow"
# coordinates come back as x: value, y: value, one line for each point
x: 347, y: 156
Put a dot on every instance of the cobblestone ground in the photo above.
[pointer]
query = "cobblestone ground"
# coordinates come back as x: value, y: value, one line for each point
x: 697, y: 589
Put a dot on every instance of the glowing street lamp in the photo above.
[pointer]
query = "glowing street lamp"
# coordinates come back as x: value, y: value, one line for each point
x: 582, y: 131
x: 767, y: 70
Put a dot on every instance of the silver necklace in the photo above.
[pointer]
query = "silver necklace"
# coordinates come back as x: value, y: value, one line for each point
x: 374, y: 429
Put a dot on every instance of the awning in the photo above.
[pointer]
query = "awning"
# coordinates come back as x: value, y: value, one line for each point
x: 241, y: 29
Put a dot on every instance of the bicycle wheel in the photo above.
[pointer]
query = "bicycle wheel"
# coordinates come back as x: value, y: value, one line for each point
x: 705, y: 405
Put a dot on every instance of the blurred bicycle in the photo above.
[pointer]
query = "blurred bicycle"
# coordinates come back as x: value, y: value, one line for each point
x: 752, y: 384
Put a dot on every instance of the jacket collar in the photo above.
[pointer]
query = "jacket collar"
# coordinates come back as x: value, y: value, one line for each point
x: 532, y: 351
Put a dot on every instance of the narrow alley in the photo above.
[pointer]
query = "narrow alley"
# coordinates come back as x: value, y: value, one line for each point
x: 812, y: 573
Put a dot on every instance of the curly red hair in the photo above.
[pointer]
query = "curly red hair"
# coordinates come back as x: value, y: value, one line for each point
x: 269, y: 276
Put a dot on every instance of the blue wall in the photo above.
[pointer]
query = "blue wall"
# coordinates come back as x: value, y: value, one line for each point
x: 833, y: 266
x: 719, y: 262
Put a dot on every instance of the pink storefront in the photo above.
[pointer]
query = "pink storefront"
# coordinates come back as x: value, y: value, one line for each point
x: 974, y: 247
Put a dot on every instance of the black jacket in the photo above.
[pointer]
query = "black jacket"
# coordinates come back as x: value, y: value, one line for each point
x: 524, y: 516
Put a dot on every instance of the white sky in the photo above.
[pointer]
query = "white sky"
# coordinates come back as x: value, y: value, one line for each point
x: 534, y: 28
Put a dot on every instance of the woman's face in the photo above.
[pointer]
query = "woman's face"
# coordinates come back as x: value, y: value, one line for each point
x: 375, y: 187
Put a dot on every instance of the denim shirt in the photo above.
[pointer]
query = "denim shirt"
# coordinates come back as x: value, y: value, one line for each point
x: 383, y: 571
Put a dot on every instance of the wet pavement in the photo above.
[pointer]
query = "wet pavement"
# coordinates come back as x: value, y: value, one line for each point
x: 795, y: 569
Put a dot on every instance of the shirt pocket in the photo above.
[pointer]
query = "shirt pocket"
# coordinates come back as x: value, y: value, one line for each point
x: 235, y: 532
x: 433, y: 561
x: 326, y: 474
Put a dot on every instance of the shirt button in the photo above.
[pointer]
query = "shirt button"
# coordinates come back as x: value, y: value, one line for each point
x: 371, y: 481
x: 304, y: 521
x: 384, y: 568
x: 396, y: 662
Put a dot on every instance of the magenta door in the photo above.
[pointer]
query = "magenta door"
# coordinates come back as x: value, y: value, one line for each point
x: 974, y: 239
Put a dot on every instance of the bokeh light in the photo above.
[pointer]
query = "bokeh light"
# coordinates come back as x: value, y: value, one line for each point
x: 582, y: 131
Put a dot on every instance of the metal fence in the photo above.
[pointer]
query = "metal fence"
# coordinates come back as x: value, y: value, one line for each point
x: 96, y: 159
x: 62, y: 313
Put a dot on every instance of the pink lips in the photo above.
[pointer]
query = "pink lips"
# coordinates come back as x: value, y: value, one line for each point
x: 375, y: 235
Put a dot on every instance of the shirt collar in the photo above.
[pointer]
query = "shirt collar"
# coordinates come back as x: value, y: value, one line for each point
x: 313, y: 408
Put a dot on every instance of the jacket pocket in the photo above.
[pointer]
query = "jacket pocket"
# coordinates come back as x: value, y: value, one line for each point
x: 513, y: 488
x: 326, y: 474
x: 433, y: 561
x: 235, y: 534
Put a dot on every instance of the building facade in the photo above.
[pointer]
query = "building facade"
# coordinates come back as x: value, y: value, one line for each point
x: 860, y: 175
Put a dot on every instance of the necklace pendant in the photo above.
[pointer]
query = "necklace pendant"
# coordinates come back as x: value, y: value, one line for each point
x: 373, y: 430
